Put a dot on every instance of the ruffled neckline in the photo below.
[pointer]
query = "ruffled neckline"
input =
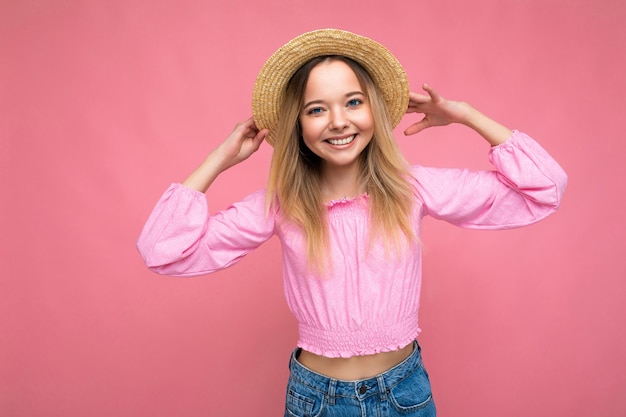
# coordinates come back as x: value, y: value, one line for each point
x: 346, y: 200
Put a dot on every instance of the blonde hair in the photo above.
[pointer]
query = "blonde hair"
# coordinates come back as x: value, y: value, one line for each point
x: 294, y: 182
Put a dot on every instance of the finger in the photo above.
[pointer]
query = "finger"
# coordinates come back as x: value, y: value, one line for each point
x: 413, y: 109
x: 417, y: 127
x: 241, y: 130
x: 262, y: 134
x: 258, y: 139
x: 416, y: 103
x: 258, y: 135
x: 434, y: 95
x: 247, y: 126
x: 245, y: 123
x: 417, y: 98
x: 251, y: 119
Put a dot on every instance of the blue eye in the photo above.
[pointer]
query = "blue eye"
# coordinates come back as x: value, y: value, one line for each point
x: 354, y: 102
x: 314, y: 110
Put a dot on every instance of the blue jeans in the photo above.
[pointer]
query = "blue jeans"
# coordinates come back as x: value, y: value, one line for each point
x: 403, y: 390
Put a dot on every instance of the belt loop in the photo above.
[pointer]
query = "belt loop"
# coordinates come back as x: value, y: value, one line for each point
x: 382, y: 388
x: 332, y: 385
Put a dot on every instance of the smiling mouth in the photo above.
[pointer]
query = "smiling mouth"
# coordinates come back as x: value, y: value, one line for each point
x: 343, y: 141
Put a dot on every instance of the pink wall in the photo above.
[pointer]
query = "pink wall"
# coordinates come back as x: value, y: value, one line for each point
x: 103, y: 104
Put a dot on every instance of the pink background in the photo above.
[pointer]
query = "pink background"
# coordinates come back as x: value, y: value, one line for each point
x: 103, y: 104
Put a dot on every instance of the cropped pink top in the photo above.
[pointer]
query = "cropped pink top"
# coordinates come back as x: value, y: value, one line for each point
x: 369, y: 302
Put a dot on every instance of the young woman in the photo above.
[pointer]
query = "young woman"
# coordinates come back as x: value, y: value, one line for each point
x: 347, y: 209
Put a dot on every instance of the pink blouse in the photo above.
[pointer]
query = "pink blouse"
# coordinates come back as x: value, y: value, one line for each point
x: 369, y: 301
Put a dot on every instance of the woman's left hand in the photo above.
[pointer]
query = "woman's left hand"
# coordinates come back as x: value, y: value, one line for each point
x: 437, y: 110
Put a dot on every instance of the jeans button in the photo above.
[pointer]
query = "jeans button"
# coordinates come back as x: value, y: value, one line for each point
x: 363, y: 389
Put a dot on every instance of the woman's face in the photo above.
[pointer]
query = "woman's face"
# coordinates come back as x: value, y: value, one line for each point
x: 336, y: 118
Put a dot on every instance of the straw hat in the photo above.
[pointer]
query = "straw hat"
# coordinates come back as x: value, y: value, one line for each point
x: 383, y: 67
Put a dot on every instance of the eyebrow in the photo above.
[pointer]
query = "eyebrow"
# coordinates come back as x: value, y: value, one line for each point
x: 347, y: 95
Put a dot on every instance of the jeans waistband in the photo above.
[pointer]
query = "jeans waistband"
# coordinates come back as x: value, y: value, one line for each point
x: 362, y: 388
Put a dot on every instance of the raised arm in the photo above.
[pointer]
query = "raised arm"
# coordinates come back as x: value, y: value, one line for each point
x: 181, y: 238
x: 244, y: 140
x: 439, y: 111
x: 526, y: 186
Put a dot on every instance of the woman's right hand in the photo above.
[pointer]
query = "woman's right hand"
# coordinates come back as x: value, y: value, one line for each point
x: 244, y: 140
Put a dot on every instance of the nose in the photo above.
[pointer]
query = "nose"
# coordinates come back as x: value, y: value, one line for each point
x: 338, y: 120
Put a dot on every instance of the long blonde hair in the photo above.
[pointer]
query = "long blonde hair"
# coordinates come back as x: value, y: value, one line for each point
x: 294, y: 182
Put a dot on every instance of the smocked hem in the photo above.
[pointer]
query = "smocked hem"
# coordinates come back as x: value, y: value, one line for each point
x: 510, y: 141
x: 345, y: 344
x: 360, y: 352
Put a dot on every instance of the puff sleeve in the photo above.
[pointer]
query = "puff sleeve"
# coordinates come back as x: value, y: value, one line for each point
x: 181, y: 238
x: 526, y: 186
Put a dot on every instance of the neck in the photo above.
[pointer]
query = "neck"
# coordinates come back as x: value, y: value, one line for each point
x: 340, y: 182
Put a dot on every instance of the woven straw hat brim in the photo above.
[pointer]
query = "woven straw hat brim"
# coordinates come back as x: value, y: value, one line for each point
x: 386, y: 71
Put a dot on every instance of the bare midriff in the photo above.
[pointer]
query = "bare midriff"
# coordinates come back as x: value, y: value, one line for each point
x: 356, y: 367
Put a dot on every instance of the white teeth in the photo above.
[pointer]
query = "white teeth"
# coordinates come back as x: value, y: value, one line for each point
x: 343, y: 141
